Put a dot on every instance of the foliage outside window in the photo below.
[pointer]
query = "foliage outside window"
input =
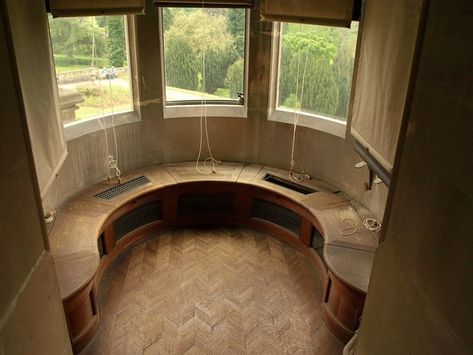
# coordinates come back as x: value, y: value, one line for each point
x: 330, y: 53
x: 88, y: 51
x: 219, y: 35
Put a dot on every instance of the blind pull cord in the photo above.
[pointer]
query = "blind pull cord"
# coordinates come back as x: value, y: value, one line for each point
x: 292, y: 174
x: 207, y: 170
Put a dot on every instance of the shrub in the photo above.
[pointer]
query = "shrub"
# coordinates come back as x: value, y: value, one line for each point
x: 234, y: 79
x: 64, y: 61
x: 292, y: 102
x: 217, y: 62
x: 96, y: 96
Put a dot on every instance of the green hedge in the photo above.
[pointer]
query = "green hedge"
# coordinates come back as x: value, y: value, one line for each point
x: 63, y: 61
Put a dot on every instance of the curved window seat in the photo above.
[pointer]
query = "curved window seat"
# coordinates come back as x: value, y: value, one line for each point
x: 90, y: 232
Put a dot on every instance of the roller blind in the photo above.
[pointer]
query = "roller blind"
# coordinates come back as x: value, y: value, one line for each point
x: 319, y: 12
x: 206, y: 3
x: 65, y: 8
x: 387, y: 50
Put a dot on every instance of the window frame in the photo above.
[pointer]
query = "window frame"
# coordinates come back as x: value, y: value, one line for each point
x: 79, y: 128
x: 214, y: 108
x: 315, y: 121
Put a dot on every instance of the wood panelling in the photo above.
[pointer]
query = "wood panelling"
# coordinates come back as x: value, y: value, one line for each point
x: 81, y: 227
x: 342, y: 308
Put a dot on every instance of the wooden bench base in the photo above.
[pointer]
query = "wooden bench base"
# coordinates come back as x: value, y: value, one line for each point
x: 201, y: 203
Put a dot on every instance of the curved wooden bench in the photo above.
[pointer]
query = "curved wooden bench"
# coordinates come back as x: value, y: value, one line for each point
x: 89, y: 233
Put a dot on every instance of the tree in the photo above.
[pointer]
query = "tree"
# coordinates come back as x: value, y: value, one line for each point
x: 74, y: 38
x: 167, y: 18
x: 236, y: 26
x: 116, y: 41
x: 343, y: 68
x: 321, y: 93
x: 201, y: 32
x: 217, y: 62
x: 328, y: 73
x: 182, y: 67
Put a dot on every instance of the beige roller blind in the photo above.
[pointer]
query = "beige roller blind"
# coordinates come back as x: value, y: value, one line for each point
x: 206, y: 3
x: 318, y: 12
x: 389, y: 37
x: 65, y: 8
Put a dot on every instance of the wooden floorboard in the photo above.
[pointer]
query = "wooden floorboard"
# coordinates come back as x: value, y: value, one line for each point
x: 218, y: 290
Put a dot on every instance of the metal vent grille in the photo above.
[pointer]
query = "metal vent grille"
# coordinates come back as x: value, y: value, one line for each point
x: 289, y: 184
x: 140, y: 216
x: 100, y: 245
x: 125, y: 187
x: 317, y: 243
x: 276, y: 214
x: 206, y: 204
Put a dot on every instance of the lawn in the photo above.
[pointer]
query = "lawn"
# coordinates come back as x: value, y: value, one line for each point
x: 89, y: 112
x: 63, y: 69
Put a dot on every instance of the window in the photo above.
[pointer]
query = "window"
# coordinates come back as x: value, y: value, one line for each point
x: 91, y: 62
x: 321, y: 58
x: 204, y: 58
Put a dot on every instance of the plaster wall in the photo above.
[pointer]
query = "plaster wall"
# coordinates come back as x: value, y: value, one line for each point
x: 254, y: 139
x: 31, y: 314
x: 419, y: 298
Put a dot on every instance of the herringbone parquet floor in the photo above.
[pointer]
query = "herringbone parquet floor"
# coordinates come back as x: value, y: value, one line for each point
x: 222, y: 290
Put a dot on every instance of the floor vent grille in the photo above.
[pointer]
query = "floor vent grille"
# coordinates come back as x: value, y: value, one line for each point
x: 289, y: 184
x: 277, y: 214
x: 137, y: 217
x: 122, y: 188
x: 219, y: 203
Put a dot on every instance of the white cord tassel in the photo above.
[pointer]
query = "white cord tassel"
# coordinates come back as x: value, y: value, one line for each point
x: 372, y: 224
x: 348, y: 230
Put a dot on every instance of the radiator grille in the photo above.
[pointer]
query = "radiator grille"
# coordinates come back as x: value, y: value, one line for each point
x: 122, y: 188
x: 206, y: 204
x: 100, y: 245
x: 140, y: 216
x: 277, y: 214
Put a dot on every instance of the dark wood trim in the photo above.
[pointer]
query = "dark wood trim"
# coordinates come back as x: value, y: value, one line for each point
x: 342, y: 308
x: 335, y: 327
x: 109, y: 238
x: 305, y: 235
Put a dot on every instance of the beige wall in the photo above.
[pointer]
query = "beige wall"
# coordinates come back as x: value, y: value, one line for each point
x: 421, y: 290
x: 254, y: 139
x: 31, y: 316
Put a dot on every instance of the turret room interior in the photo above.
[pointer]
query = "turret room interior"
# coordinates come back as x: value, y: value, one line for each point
x: 236, y: 177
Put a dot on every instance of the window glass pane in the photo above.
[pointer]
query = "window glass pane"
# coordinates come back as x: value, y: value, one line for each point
x: 190, y: 32
x: 90, y: 56
x: 330, y: 55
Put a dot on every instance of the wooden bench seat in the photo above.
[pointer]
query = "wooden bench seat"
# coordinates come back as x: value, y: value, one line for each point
x: 84, y: 243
